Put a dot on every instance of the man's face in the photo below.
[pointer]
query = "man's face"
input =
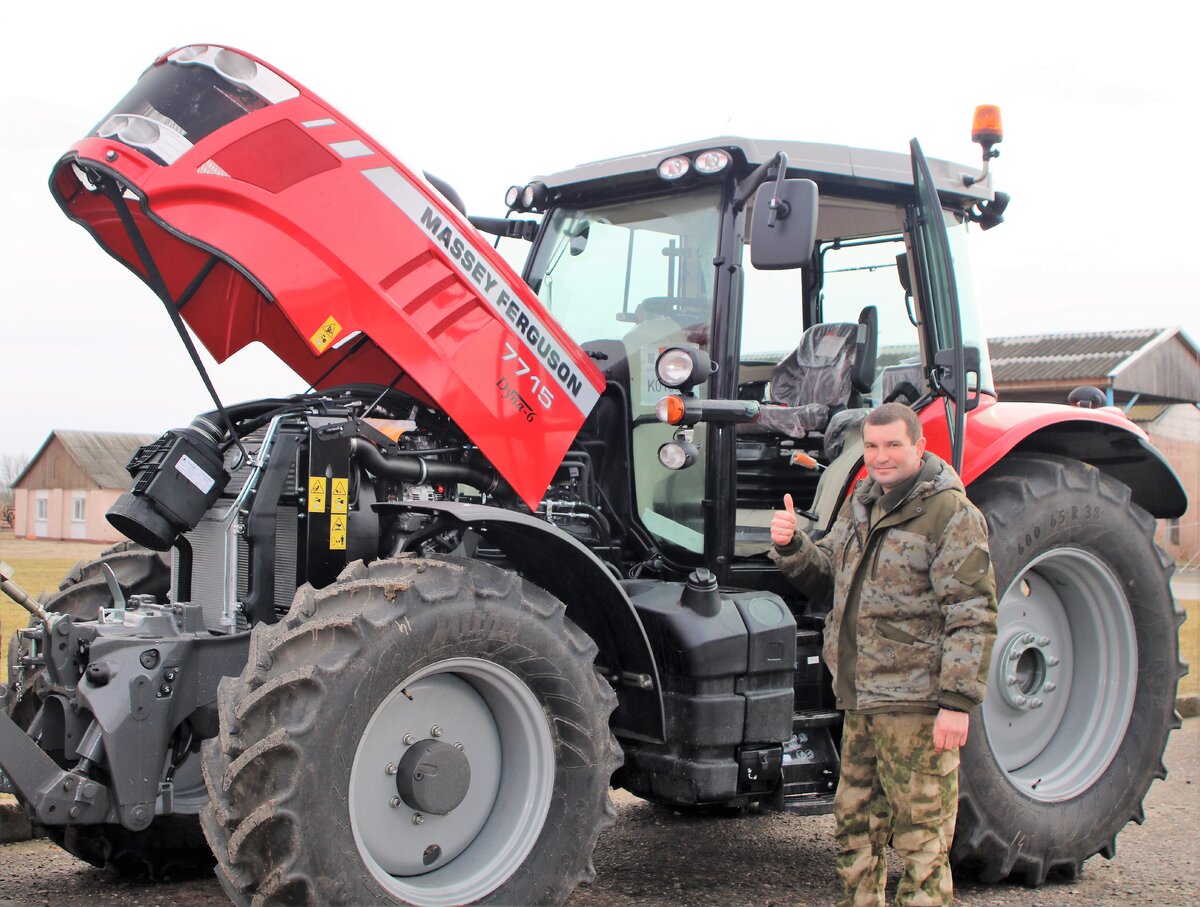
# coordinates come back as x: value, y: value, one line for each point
x: 892, y: 459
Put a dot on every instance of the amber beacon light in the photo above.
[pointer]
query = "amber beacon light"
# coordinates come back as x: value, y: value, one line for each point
x: 986, y: 128
x: 987, y: 132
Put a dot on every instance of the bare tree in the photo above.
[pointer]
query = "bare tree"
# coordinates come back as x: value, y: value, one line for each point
x: 11, y: 466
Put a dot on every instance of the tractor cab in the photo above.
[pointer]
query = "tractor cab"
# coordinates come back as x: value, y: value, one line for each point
x: 748, y: 303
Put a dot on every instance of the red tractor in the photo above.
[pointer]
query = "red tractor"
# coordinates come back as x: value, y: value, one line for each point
x: 392, y: 639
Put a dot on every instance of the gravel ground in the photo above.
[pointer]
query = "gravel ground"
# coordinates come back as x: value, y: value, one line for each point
x: 657, y: 858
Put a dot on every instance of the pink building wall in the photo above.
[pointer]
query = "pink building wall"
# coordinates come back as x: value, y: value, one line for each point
x: 60, y: 511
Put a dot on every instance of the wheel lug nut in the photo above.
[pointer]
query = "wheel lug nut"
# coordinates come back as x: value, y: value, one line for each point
x: 1050, y: 687
x: 1052, y: 661
x: 418, y: 818
x: 1020, y: 700
x: 409, y: 739
x: 1012, y: 680
x: 394, y: 803
x: 1013, y: 656
x: 1035, y: 704
x: 458, y: 746
x: 390, y: 768
x: 1043, y: 641
x: 435, y: 731
x: 1027, y: 638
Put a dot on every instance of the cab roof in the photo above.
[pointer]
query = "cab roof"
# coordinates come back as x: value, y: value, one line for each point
x: 855, y: 166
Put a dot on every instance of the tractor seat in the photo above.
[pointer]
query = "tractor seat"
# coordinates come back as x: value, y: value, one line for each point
x: 828, y: 371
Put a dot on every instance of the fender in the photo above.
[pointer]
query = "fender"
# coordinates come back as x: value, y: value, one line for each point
x: 595, y: 601
x: 1103, y: 438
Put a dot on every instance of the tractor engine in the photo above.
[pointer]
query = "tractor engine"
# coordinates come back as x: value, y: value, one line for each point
x: 292, y: 500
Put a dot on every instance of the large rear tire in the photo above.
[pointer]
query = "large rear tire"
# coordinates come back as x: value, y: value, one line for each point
x: 1080, y: 697
x: 329, y: 733
x: 173, y: 846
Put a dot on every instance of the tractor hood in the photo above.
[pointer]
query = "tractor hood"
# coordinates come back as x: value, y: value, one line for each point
x: 262, y: 214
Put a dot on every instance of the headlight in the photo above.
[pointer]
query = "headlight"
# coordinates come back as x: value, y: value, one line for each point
x: 512, y: 197
x: 682, y: 367
x: 674, y: 168
x: 533, y: 195
x: 712, y: 161
x: 677, y: 454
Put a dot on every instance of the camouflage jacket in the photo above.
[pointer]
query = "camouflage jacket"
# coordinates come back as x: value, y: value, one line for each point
x: 917, y: 584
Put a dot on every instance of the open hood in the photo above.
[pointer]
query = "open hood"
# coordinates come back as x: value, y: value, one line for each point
x: 262, y: 214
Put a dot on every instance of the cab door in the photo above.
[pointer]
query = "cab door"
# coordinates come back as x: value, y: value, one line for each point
x: 939, y: 300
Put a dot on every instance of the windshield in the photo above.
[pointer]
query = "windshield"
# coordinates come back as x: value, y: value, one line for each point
x: 639, y: 275
x: 602, y: 270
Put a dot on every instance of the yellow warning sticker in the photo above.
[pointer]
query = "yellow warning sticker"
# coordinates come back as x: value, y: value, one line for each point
x: 325, y: 334
x: 316, y: 494
x: 337, y: 532
x: 340, y: 495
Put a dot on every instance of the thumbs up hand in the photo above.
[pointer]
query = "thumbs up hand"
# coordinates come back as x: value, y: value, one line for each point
x: 783, y: 524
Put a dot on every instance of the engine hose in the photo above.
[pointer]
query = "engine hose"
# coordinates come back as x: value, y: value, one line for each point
x: 418, y: 470
x: 212, y: 420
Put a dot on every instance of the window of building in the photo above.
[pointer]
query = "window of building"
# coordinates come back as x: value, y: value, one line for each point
x: 1172, y: 532
x: 79, y: 507
x: 42, y: 507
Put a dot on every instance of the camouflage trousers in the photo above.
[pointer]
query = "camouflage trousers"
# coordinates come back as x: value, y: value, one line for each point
x: 894, y: 783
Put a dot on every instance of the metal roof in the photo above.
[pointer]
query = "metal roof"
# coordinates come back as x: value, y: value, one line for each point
x: 803, y: 157
x: 1148, y: 412
x: 101, y: 454
x: 1066, y: 357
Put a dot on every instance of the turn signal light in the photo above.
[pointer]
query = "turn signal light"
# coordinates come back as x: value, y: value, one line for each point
x: 670, y: 410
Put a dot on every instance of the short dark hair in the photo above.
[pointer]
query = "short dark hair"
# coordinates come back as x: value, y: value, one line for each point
x: 896, y: 412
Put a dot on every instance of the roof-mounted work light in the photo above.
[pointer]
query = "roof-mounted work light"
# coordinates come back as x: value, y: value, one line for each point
x: 713, y: 161
x: 674, y: 168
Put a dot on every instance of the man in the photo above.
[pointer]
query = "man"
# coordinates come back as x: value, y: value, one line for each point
x: 908, y: 642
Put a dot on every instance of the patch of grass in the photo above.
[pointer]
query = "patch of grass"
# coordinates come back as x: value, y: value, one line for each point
x: 1189, y: 647
x: 35, y: 575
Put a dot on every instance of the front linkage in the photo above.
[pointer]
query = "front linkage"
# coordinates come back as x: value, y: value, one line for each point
x: 140, y: 682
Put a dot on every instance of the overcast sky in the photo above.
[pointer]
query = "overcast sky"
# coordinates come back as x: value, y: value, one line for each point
x: 1099, y: 149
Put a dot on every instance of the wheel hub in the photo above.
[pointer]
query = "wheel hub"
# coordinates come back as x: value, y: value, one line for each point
x: 1029, y: 665
x: 433, y: 777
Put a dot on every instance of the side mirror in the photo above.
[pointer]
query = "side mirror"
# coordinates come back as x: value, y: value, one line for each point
x: 782, y: 234
x: 947, y: 383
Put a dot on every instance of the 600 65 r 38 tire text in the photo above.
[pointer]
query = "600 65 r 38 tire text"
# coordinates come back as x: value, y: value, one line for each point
x: 173, y: 845
x: 329, y: 734
x: 1081, y: 693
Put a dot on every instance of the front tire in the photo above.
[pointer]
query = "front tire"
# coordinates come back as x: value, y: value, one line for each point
x: 1080, y: 696
x: 364, y: 686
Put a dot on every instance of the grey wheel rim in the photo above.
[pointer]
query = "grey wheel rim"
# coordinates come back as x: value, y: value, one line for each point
x: 1064, y: 673
x: 189, y: 794
x: 455, y: 858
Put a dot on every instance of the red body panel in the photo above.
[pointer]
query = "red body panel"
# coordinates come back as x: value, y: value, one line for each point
x: 994, y: 428
x: 295, y: 201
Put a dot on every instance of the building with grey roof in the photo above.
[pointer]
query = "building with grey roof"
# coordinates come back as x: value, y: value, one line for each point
x: 70, y: 483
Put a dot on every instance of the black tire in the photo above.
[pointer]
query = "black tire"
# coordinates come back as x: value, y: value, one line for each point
x: 1081, y: 694
x: 83, y: 590
x: 300, y: 810
x: 173, y: 846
